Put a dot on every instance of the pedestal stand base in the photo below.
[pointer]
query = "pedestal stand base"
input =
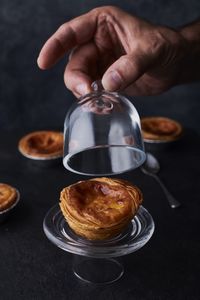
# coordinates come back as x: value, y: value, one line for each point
x: 97, y: 270
x: 93, y: 260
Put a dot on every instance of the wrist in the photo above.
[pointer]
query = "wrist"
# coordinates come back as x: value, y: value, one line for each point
x: 191, y: 63
x: 191, y: 33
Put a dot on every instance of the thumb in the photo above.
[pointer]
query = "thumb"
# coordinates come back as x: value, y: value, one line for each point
x: 123, y: 72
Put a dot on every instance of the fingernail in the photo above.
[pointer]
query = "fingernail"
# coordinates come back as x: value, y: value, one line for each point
x: 81, y: 89
x: 114, y: 81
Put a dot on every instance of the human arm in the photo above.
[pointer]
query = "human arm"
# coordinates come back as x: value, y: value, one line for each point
x: 126, y: 52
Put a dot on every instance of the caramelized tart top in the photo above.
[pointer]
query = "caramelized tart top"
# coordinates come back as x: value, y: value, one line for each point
x: 42, y: 144
x: 102, y: 201
x: 8, y: 196
x: 160, y: 128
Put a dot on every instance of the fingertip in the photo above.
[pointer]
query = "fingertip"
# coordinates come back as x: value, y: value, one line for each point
x: 78, y: 83
x: 43, y: 58
x: 112, y: 81
x: 49, y: 54
x: 82, y: 89
x: 40, y: 63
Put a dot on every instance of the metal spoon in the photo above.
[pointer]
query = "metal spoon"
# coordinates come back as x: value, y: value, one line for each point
x: 151, y: 167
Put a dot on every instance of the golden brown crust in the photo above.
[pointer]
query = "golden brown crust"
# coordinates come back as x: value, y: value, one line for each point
x: 160, y: 129
x: 8, y: 196
x: 101, y: 207
x: 42, y: 144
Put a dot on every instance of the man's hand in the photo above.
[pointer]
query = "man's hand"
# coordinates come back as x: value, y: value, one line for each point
x: 127, y: 53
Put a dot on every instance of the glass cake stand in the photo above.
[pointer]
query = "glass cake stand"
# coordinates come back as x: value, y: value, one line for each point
x: 94, y: 260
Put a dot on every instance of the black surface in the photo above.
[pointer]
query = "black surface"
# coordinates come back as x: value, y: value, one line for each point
x: 168, y: 267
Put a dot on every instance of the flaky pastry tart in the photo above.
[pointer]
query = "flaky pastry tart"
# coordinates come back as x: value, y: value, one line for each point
x: 42, y: 145
x: 8, y: 196
x: 100, y: 208
x: 160, y: 129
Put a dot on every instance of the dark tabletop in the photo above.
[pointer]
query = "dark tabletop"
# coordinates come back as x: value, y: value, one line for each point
x: 167, y: 267
x: 31, y: 267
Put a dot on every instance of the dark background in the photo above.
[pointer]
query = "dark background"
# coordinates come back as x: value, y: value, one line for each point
x: 34, y: 99
x: 32, y: 268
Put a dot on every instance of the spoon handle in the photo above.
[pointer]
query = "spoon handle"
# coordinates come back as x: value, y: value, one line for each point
x: 172, y: 201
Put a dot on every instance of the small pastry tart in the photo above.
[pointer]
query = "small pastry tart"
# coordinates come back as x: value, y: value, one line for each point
x: 160, y: 129
x: 100, y: 208
x: 42, y: 145
x: 9, y: 197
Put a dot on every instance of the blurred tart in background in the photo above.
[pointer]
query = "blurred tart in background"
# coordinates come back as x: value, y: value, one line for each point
x: 42, y: 145
x: 9, y: 197
x: 160, y: 129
